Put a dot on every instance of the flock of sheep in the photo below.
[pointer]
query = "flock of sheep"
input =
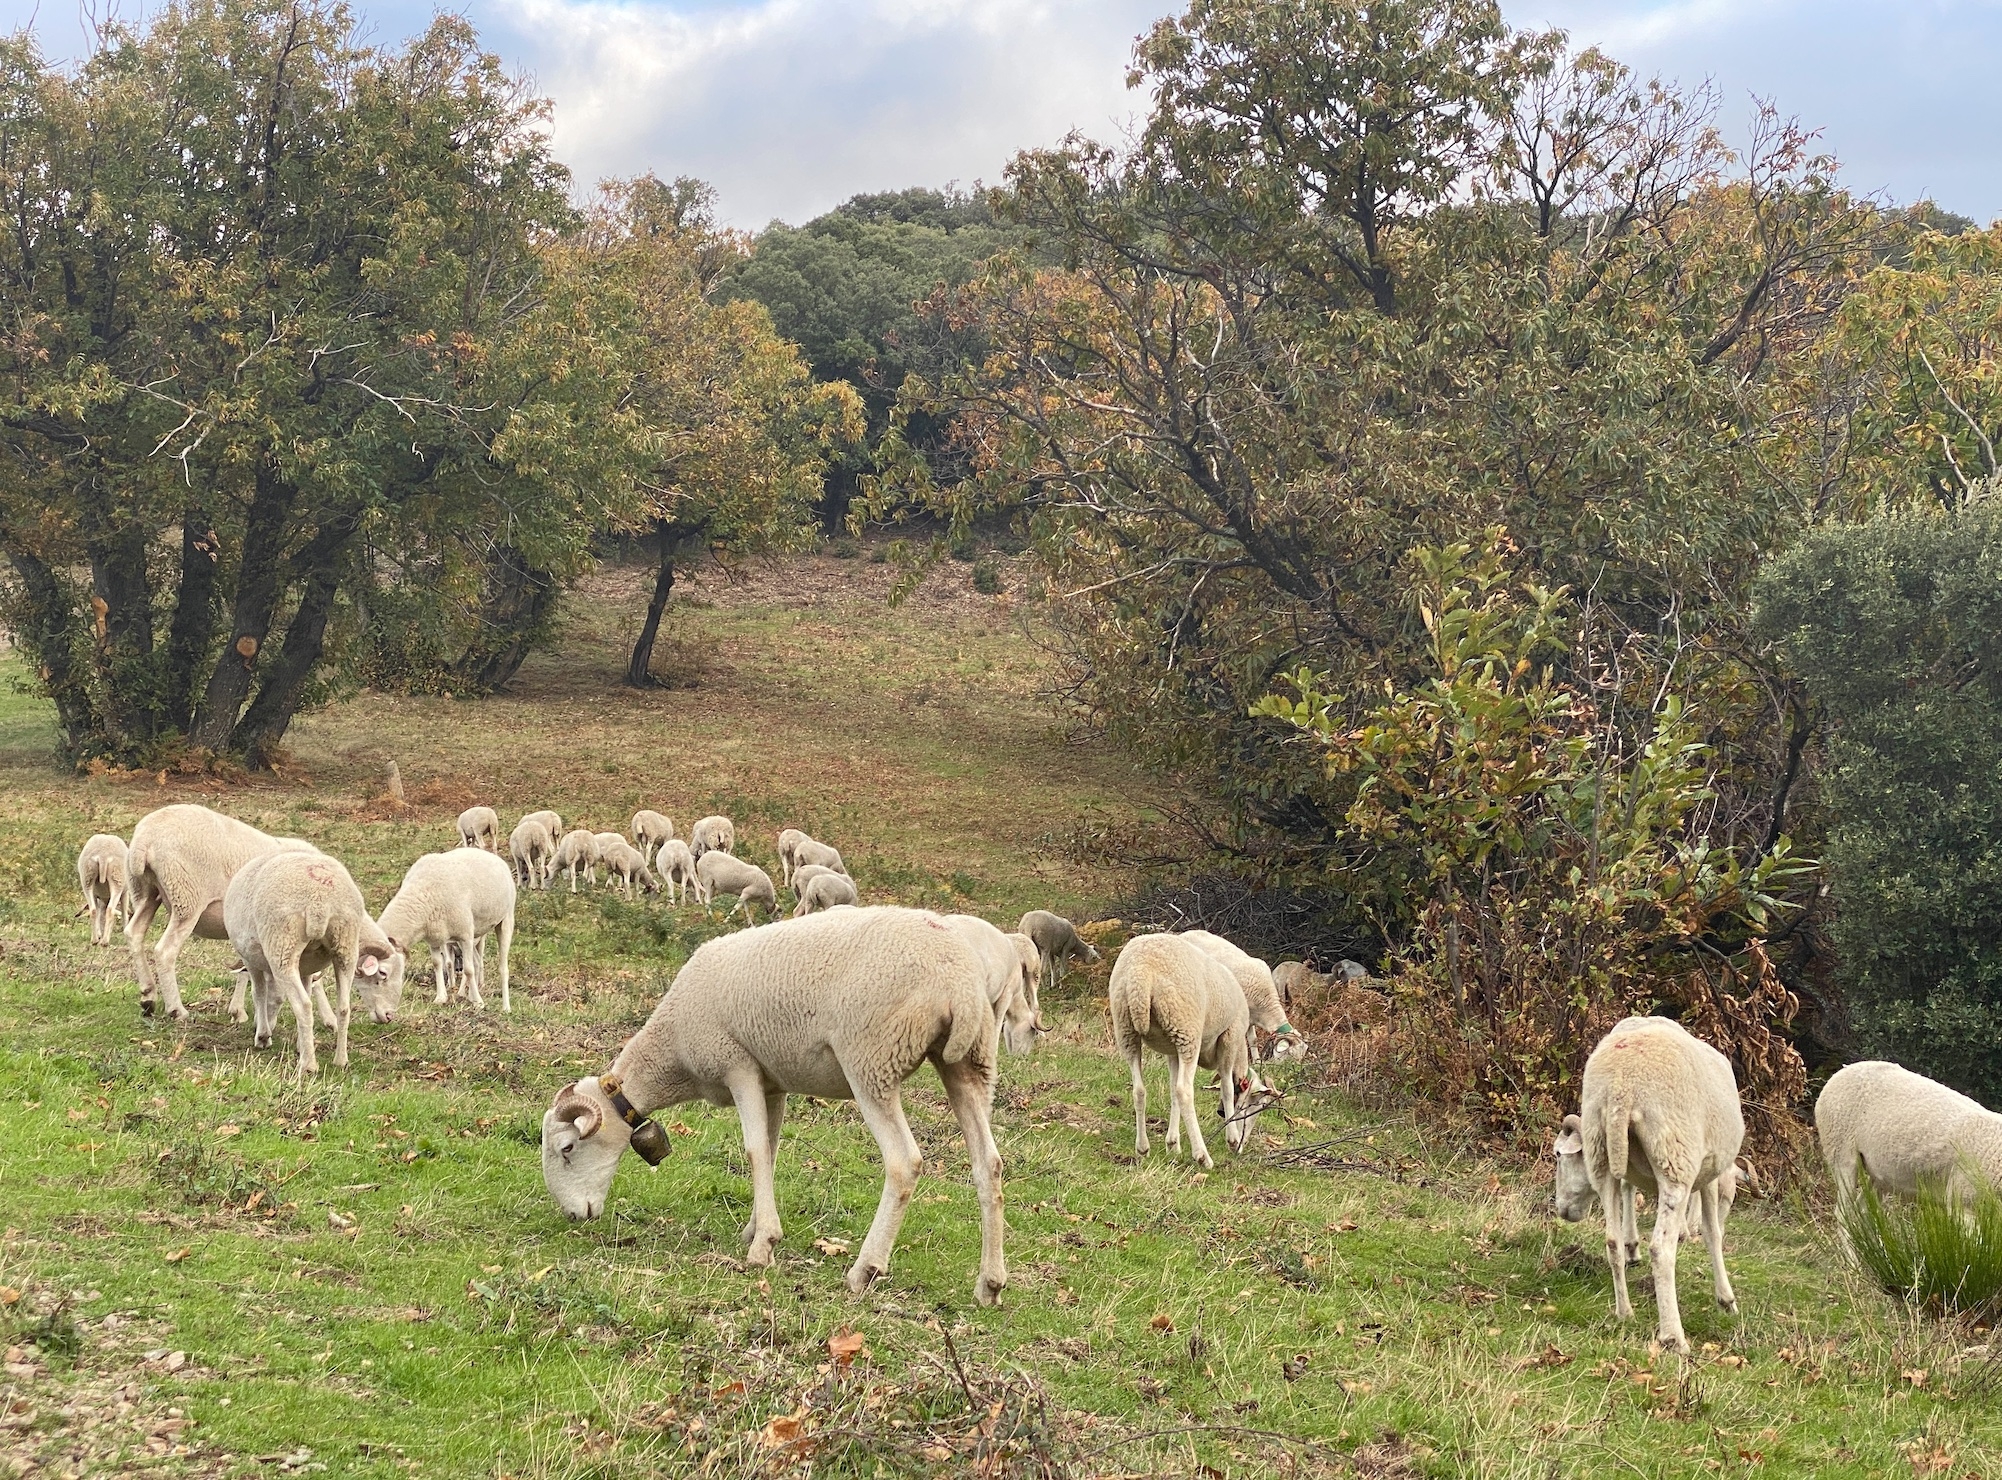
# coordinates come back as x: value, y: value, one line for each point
x: 845, y: 1002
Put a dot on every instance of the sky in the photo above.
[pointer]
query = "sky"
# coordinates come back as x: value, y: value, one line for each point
x: 789, y: 107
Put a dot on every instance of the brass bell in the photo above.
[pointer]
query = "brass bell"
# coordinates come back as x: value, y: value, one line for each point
x: 650, y: 1141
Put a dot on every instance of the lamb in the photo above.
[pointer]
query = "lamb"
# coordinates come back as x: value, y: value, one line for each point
x: 677, y: 868
x: 479, y: 827
x: 451, y: 901
x: 606, y: 842
x: 1660, y: 1113
x: 296, y: 912
x: 808, y: 852
x: 824, y: 892
x: 842, y: 1005
x: 1057, y: 940
x: 1261, y: 993
x: 625, y: 864
x: 533, y: 848
x: 1170, y: 995
x: 1908, y: 1132
x: 650, y: 830
x: 1014, y: 974
x: 805, y: 874
x: 718, y: 873
x: 712, y: 833
x: 579, y: 849
x: 100, y: 870
x: 790, y: 839
x: 183, y: 856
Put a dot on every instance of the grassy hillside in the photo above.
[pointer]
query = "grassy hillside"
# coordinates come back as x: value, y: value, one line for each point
x: 206, y: 1269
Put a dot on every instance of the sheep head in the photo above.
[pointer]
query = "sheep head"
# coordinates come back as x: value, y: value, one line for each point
x: 1288, y: 1043
x: 1572, y: 1194
x: 1242, y: 1109
x: 379, y: 979
x: 1022, y: 1013
x: 582, y: 1140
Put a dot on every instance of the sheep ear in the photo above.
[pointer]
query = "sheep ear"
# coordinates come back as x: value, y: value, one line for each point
x: 1749, y: 1175
x: 369, y: 965
x: 1571, y: 1140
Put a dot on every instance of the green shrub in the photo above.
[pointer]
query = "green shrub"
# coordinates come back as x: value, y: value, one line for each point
x: 879, y: 555
x: 1942, y: 1254
x: 846, y: 547
x: 963, y: 546
x: 987, y: 577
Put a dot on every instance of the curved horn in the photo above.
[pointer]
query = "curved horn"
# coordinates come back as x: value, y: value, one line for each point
x: 579, y: 1112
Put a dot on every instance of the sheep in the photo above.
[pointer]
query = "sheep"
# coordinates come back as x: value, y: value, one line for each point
x: 450, y: 901
x: 824, y: 892
x: 625, y: 865
x: 1014, y: 975
x: 1170, y: 995
x: 479, y: 827
x: 717, y: 872
x: 1057, y: 940
x: 677, y: 868
x: 650, y: 830
x: 579, y: 849
x: 100, y: 869
x: 805, y: 874
x: 183, y: 856
x: 1660, y: 1113
x: 295, y: 912
x: 1261, y: 994
x: 606, y: 842
x: 790, y: 839
x: 533, y: 848
x: 712, y: 833
x: 841, y: 1005
x: 1908, y: 1132
x: 551, y: 820
x: 808, y: 852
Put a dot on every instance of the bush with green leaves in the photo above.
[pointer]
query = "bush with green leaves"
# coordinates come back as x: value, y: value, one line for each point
x: 1941, y: 1253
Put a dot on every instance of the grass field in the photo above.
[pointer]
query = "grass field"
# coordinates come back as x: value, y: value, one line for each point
x: 209, y: 1270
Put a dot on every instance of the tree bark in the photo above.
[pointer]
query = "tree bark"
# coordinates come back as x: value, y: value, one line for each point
x: 516, y: 603
x: 639, y: 671
x: 115, y: 544
x: 45, y: 629
x: 256, y: 736
x: 260, y: 581
x: 193, y: 628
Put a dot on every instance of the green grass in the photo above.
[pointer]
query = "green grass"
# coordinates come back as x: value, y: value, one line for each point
x: 374, y: 1279
x: 1938, y: 1251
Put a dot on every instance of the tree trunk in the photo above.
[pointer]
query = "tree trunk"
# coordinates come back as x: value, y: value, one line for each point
x: 193, y: 628
x: 639, y: 672
x: 516, y: 604
x: 122, y: 607
x: 257, y: 735
x: 260, y: 581
x: 45, y: 629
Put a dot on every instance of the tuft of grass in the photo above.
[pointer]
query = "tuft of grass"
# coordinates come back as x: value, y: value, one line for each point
x: 1941, y: 1253
x: 987, y: 576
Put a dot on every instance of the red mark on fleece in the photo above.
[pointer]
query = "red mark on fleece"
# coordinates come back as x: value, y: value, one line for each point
x: 321, y: 874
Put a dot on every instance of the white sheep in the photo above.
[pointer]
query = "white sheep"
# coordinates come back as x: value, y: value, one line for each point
x: 712, y: 833
x: 1057, y: 941
x: 553, y: 821
x: 790, y: 839
x: 676, y: 866
x: 296, y: 912
x: 533, y: 848
x: 183, y: 857
x: 579, y: 849
x: 451, y: 902
x: 1014, y: 977
x: 1170, y: 995
x: 625, y: 866
x: 810, y: 853
x: 719, y: 873
x: 100, y: 869
x: 1261, y: 993
x: 1908, y: 1132
x: 479, y: 827
x: 804, y: 875
x: 606, y: 842
x: 824, y: 892
x: 841, y: 1005
x: 1659, y: 1113
x: 650, y: 830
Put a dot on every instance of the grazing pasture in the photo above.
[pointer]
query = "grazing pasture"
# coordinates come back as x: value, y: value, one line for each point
x: 209, y: 1270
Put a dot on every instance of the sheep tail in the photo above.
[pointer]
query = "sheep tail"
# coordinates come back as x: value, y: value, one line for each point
x: 972, y: 1019
x: 1618, y: 1117
x: 1139, y: 1012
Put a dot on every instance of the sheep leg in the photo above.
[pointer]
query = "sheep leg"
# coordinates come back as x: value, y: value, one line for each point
x: 1713, y: 1236
x: 902, y: 1160
x: 1133, y: 1062
x: 320, y: 1002
x: 344, y: 982
x: 775, y: 1115
x: 137, y: 923
x: 504, y: 938
x: 475, y: 955
x: 1617, y: 1199
x: 264, y: 1004
x: 236, y: 1012
x: 760, y: 1143
x: 1671, y: 1206
x: 293, y: 992
x: 1631, y: 1233
x: 166, y: 955
x: 970, y: 1090
x: 1185, y: 1101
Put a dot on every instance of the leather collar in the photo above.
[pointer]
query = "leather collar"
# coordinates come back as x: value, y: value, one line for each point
x: 649, y: 1141
x: 614, y: 1090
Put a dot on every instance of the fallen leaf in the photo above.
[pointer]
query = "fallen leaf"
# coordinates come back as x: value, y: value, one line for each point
x: 1162, y: 1323
x: 224, y: 1132
x: 846, y: 1345
x: 782, y: 1430
x: 9, y: 1295
x: 79, y: 1115
x: 832, y: 1247
x: 177, y: 1255
x: 1916, y: 1376
x: 343, y: 1222
x: 1294, y: 1368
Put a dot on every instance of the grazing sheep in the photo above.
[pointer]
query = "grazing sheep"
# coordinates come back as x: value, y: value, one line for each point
x: 295, y: 912
x: 712, y: 833
x: 790, y: 839
x: 650, y: 830
x: 719, y: 873
x: 605, y: 842
x: 533, y: 848
x: 823, y: 892
x: 805, y: 874
x: 677, y: 868
x: 1261, y: 994
x: 625, y: 865
x: 842, y: 1005
x: 100, y: 869
x: 183, y: 856
x: 479, y: 827
x: 450, y: 901
x: 1014, y: 974
x: 1659, y: 1113
x: 810, y: 853
x: 1908, y: 1132
x: 579, y: 849
x: 1057, y: 940
x: 553, y: 821
x: 1170, y: 995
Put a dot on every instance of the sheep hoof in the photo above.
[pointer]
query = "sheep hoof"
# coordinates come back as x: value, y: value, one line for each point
x: 145, y: 1007
x: 1729, y: 1307
x: 179, y: 1014
x: 760, y: 1253
x: 262, y: 1041
x: 987, y: 1290
x: 862, y: 1276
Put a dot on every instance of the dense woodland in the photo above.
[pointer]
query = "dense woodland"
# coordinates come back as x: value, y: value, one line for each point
x: 1556, y: 544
